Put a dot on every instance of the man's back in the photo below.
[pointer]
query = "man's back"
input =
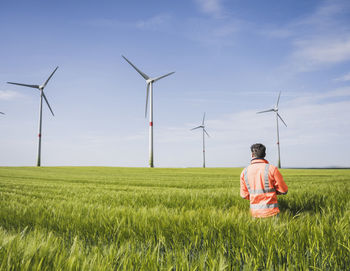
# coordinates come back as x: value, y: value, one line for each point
x: 260, y: 183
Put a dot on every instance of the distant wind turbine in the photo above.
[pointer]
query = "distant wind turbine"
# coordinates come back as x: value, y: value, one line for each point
x: 203, y: 131
x: 42, y: 95
x: 275, y: 109
x: 149, y: 82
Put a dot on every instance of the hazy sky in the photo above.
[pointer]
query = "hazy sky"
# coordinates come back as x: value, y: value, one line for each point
x: 231, y: 59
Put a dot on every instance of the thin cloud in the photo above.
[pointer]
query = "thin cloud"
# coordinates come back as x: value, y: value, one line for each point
x: 344, y: 78
x: 314, y: 53
x: 211, y: 32
x: 326, y: 15
x: 319, y: 99
x: 340, y: 92
x: 154, y: 23
x: 277, y: 32
x: 325, y: 41
x: 107, y: 23
x: 211, y: 7
x: 217, y: 29
x: 9, y: 95
x: 319, y: 40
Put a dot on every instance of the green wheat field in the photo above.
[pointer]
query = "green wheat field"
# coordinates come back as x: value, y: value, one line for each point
x: 96, y: 218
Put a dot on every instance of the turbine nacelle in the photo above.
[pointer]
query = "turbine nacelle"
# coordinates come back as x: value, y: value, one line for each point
x: 198, y: 127
x: 40, y: 88
x: 155, y: 79
x: 201, y: 126
x: 148, y: 79
x: 274, y: 109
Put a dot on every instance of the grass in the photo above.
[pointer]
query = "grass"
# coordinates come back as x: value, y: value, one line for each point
x: 96, y: 218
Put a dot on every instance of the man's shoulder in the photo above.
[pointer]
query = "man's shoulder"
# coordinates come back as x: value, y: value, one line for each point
x: 272, y: 168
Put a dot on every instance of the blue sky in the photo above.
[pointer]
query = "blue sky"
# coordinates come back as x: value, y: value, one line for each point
x: 231, y: 59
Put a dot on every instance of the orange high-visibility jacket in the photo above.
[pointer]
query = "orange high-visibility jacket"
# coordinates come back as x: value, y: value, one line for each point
x: 260, y: 184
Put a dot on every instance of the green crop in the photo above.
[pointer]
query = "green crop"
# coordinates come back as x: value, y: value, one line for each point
x: 95, y: 218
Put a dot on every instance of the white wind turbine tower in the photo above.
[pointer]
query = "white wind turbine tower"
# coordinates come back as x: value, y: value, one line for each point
x: 275, y: 109
x: 42, y: 95
x: 149, y: 82
x: 203, y: 131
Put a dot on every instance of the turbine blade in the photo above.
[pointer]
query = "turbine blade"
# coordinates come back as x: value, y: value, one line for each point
x: 278, y: 100
x: 2, y: 113
x: 281, y: 119
x: 270, y: 110
x: 160, y: 77
x: 24, y: 85
x: 47, y: 102
x: 48, y: 79
x: 203, y: 119
x: 147, y: 94
x: 145, y: 76
x: 205, y: 131
x: 196, y: 128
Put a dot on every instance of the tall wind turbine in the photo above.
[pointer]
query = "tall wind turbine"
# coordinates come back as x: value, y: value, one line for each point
x: 275, y: 109
x: 149, y: 82
x: 42, y: 95
x: 203, y: 131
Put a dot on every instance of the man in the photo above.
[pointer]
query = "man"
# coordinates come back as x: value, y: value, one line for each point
x: 261, y: 183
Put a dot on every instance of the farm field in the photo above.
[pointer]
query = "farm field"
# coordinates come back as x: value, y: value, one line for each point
x: 96, y: 218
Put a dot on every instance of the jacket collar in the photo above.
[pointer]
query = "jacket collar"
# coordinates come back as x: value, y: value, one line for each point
x: 258, y: 160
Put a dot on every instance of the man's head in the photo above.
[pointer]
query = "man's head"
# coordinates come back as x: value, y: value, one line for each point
x: 258, y: 151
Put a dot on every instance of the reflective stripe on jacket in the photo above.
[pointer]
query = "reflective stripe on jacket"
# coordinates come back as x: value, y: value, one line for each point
x: 260, y: 183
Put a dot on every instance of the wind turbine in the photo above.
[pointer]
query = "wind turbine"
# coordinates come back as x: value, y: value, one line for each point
x: 42, y: 95
x: 149, y: 82
x: 203, y: 131
x: 275, y: 109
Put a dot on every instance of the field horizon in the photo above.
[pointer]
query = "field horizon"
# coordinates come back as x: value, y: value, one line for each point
x: 145, y: 167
